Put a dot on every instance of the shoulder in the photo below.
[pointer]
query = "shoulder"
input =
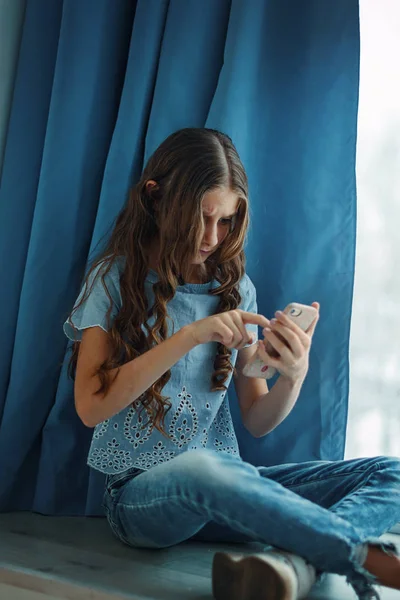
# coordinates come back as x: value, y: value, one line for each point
x: 104, y: 280
x: 99, y: 300
x: 108, y: 272
x: 248, y: 294
x: 246, y: 286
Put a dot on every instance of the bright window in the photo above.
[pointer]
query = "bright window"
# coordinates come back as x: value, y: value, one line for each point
x: 374, y: 414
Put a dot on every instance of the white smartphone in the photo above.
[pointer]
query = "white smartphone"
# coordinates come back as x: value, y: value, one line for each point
x: 301, y: 314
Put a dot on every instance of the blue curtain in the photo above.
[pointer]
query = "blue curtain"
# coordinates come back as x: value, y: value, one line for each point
x: 11, y: 19
x: 98, y: 86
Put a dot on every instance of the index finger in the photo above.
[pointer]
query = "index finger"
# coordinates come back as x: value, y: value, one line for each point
x: 254, y: 318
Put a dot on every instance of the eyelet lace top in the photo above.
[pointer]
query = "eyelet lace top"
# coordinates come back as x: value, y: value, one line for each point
x: 198, y: 418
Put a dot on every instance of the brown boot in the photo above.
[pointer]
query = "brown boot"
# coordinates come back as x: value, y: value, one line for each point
x: 273, y: 575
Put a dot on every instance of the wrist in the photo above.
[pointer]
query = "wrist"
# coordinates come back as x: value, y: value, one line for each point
x: 294, y: 381
x: 187, y: 334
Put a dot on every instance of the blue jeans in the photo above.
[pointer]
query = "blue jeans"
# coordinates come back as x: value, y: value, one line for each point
x: 326, y: 512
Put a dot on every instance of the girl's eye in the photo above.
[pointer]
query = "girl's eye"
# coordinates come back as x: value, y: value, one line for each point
x: 229, y: 222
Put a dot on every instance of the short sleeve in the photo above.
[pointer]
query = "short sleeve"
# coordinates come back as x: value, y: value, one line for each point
x: 249, y: 304
x: 99, y: 296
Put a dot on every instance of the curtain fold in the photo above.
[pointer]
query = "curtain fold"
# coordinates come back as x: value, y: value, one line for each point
x: 11, y: 21
x: 98, y: 86
x: 288, y: 92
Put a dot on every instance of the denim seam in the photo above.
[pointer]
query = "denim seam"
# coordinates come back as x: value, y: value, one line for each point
x: 116, y: 528
x: 367, y: 483
x: 319, y: 479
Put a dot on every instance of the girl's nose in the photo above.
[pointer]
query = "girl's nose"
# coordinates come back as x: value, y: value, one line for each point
x: 211, y: 236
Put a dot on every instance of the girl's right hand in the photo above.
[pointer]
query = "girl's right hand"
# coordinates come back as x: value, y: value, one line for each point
x: 228, y: 328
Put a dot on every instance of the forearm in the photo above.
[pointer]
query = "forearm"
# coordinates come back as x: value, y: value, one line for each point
x: 137, y: 376
x: 269, y: 410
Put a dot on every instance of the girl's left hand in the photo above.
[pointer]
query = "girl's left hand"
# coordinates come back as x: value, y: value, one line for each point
x: 291, y: 343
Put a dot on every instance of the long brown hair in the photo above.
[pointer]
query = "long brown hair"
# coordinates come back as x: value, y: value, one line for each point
x: 189, y: 163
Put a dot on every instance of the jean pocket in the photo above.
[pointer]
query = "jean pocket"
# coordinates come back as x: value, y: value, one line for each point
x: 115, y: 482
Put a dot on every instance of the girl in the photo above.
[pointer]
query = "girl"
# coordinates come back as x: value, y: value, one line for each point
x: 166, y: 317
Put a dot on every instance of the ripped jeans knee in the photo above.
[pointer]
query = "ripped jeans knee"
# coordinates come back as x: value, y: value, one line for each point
x: 362, y: 580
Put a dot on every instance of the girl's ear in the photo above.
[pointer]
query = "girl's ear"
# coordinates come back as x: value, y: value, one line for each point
x: 151, y: 185
x: 151, y: 188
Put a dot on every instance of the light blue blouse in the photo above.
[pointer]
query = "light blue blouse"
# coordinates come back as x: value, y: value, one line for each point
x: 198, y: 418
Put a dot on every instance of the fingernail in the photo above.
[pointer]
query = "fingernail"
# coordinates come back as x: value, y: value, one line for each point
x: 266, y: 330
x: 279, y: 313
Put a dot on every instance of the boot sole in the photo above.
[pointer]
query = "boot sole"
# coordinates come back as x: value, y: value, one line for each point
x: 250, y: 578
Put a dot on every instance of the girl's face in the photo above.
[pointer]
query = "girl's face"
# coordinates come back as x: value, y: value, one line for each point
x: 219, y: 212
